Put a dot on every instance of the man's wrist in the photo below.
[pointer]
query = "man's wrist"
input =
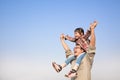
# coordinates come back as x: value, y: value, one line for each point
x: 62, y: 39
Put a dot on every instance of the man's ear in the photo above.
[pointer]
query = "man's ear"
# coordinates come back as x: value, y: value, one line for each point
x: 82, y: 50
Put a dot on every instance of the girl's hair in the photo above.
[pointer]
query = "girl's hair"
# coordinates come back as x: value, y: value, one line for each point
x: 79, y: 30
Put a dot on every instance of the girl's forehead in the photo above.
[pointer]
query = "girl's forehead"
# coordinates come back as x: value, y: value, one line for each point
x: 76, y: 32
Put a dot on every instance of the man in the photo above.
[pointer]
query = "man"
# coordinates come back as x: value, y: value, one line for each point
x: 84, y: 71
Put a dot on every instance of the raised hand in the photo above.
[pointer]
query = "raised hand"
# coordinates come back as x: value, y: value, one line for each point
x: 93, y: 25
x: 62, y: 36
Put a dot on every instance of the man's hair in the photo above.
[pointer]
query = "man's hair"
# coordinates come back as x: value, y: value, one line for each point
x: 79, y: 30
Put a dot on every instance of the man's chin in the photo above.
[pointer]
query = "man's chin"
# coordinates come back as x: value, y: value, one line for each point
x: 76, y: 37
x: 75, y: 53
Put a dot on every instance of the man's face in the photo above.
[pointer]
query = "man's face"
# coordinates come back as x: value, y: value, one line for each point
x: 77, y: 50
x: 77, y: 35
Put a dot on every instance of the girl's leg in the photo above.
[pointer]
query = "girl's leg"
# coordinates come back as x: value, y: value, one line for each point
x: 73, y: 73
x: 69, y: 59
x: 78, y: 61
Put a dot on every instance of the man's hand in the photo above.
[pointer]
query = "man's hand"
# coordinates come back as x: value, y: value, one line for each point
x: 93, y: 38
x: 93, y: 25
x: 62, y: 36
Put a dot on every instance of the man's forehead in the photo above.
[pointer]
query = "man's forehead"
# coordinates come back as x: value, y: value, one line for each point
x: 77, y: 46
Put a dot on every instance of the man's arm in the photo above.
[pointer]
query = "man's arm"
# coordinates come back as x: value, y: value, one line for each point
x: 93, y: 38
x: 62, y: 39
x: 65, y: 46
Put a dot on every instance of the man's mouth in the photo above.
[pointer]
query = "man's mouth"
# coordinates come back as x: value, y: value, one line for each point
x: 75, y: 51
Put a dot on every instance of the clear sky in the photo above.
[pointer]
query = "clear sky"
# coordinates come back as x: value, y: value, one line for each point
x: 30, y: 31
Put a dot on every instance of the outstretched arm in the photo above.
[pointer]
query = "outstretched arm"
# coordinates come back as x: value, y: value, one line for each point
x: 67, y: 37
x: 62, y: 39
x: 93, y: 38
x: 65, y: 46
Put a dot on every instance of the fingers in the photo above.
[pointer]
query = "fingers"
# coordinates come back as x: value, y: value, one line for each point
x: 62, y: 36
x: 93, y: 25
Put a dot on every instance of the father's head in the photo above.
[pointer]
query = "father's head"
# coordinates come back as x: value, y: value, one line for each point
x: 78, y: 50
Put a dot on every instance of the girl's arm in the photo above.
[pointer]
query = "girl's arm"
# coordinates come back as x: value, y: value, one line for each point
x: 67, y: 37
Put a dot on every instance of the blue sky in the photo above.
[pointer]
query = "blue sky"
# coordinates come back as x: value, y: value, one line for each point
x: 30, y: 31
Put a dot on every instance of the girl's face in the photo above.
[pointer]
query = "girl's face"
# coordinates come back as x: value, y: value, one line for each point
x: 77, y: 35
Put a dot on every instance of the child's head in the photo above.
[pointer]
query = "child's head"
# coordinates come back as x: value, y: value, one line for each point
x: 78, y: 32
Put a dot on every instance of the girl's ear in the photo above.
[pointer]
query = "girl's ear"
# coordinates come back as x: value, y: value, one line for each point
x: 81, y: 33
